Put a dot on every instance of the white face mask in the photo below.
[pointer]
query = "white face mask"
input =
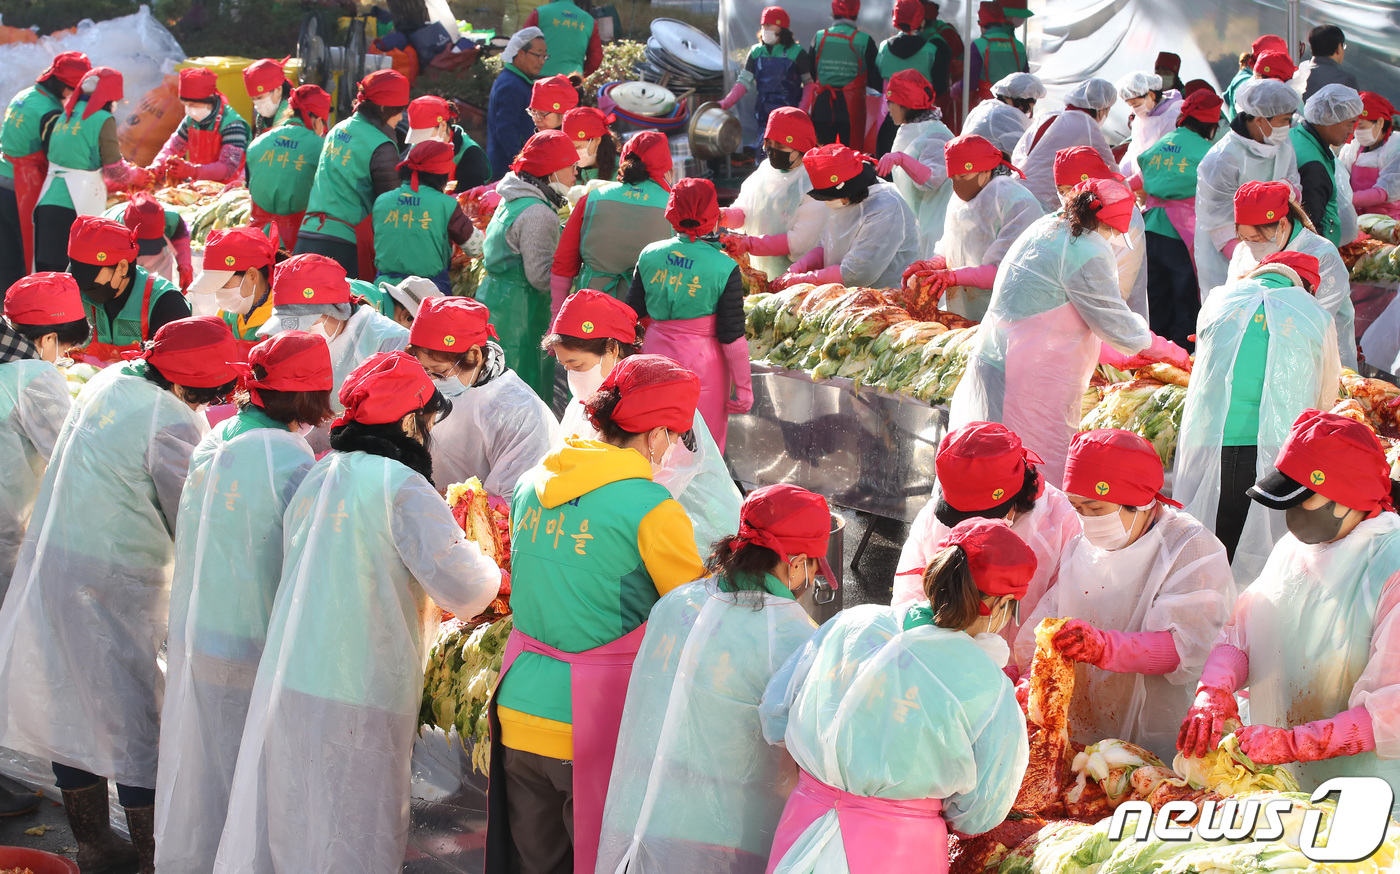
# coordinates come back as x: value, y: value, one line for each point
x: 583, y: 384
x: 584, y: 158
x: 451, y: 387
x: 770, y: 36
x: 267, y: 104
x: 835, y: 204
x: 199, y: 114
x: 1261, y: 249
x: 559, y: 188
x: 1106, y: 532
x: 1277, y: 136
x: 664, y: 462
x: 232, y: 300
x: 1366, y: 136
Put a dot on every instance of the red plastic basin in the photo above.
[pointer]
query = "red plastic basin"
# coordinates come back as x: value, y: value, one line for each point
x: 36, y: 860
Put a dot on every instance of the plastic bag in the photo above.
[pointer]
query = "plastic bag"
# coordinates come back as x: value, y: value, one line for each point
x: 145, y: 130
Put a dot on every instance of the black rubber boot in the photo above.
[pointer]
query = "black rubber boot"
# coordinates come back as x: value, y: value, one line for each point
x: 100, y: 851
x: 15, y: 804
x: 141, y: 822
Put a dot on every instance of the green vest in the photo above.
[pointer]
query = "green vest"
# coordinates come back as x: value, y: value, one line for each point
x: 280, y: 116
x: 1168, y: 169
x: 567, y: 30
x: 889, y: 63
x: 934, y: 32
x: 19, y: 136
x: 1239, y: 79
x: 410, y: 232
x: 282, y: 167
x: 1310, y: 149
x: 1002, y: 53
x: 519, y: 310
x: 125, y: 329
x: 683, y: 280
x: 467, y: 143
x: 607, y: 573
x: 615, y: 230
x: 74, y: 143
x: 839, y: 54
x: 343, y: 191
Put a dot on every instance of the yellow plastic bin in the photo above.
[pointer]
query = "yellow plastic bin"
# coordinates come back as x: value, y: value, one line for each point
x: 230, y: 73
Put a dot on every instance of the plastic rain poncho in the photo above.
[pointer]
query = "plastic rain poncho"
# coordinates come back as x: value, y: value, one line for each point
x: 1146, y: 131
x: 1333, y: 292
x: 698, y: 480
x: 1000, y: 124
x: 496, y: 432
x: 775, y: 202
x: 1175, y: 577
x: 322, y: 782
x: 1301, y: 372
x: 1375, y: 169
x: 228, y: 562
x: 873, y: 240
x: 1056, y: 298
x: 923, y: 140
x: 366, y: 333
x: 1050, y: 526
x: 1322, y: 633
x: 1132, y: 264
x: 980, y: 232
x: 877, y: 711
x: 34, y: 401
x: 694, y: 786
x: 1067, y: 128
x: 1229, y: 164
x: 86, y: 612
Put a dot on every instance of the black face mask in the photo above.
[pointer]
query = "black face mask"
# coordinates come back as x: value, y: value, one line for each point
x: 780, y: 159
x: 1314, y: 526
x: 86, y: 277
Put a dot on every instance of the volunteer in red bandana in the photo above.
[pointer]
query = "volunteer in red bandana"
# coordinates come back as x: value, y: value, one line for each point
x: 210, y: 140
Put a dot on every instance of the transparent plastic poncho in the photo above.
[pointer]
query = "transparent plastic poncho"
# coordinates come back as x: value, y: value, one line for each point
x: 923, y: 140
x: 775, y: 202
x: 496, y: 432
x: 1000, y: 124
x: 34, y: 401
x: 1229, y: 164
x: 366, y: 333
x: 873, y: 240
x: 1069, y: 128
x: 981, y: 231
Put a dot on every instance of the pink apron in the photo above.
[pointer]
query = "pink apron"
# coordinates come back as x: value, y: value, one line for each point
x: 692, y: 343
x: 598, y: 682
x: 1182, y: 214
x: 1363, y: 178
x: 881, y: 835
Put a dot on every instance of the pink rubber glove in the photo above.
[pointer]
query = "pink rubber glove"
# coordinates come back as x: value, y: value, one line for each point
x: 984, y: 276
x: 1346, y: 734
x: 1369, y: 197
x: 734, y: 96
x: 1229, y: 250
x: 184, y: 260
x: 928, y: 265
x: 1134, y: 181
x: 736, y: 355
x: 180, y: 170
x: 1023, y: 693
x: 809, y: 90
x: 1163, y: 349
x: 814, y: 259
x: 816, y: 277
x: 731, y: 217
x: 1013, y: 673
x: 938, y: 281
x: 1226, y: 669
x: 772, y: 244
x: 1152, y: 653
x: 908, y: 163
x: 559, y: 287
x: 1079, y: 641
x: 1113, y: 358
x: 496, y: 502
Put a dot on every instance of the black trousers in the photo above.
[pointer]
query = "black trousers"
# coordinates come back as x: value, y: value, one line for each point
x: 12, y: 266
x: 1173, y: 297
x: 52, y: 225
x: 831, y: 118
x: 1236, y: 475
x: 346, y: 253
x: 540, y: 796
x: 77, y: 778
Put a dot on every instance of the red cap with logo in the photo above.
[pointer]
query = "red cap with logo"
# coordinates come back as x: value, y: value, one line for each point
x: 1301, y: 263
x: 101, y: 242
x: 430, y: 111
x: 1203, y: 105
x: 693, y: 209
x: 1339, y: 458
x: 656, y: 393
x: 429, y: 156
x: 198, y: 83
x: 238, y: 249
x: 590, y: 314
x: 145, y: 216
x: 1375, y: 107
x: 1117, y: 466
x: 908, y: 15
x: 1274, y: 65
x: 654, y: 151
x: 385, y: 387
x: 309, y: 278
x: 831, y: 165
x: 1000, y: 561
x: 67, y: 67
x: 774, y: 16
x: 195, y: 352
x: 264, y: 76
x: 44, y: 299
x: 1074, y: 165
x: 292, y: 361
x: 384, y: 88
x: 310, y: 101
x: 909, y: 88
x: 546, y: 152
x: 1261, y: 203
x: 553, y: 94
x: 1268, y: 43
x: 792, y: 128
x: 970, y: 153
x: 789, y: 520
x: 982, y: 465
x: 451, y: 324
x: 584, y: 123
x: 109, y: 89
x: 1114, y: 201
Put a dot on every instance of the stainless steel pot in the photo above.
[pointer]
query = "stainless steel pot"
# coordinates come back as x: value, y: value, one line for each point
x: 714, y: 132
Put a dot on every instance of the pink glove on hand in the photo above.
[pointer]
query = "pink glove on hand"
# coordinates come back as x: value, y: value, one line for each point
x: 1346, y: 734
x: 734, y: 96
x: 1229, y: 250
x: 1163, y: 349
x: 736, y: 355
x: 180, y: 170
x: 928, y: 265
x: 1079, y: 641
x: 1152, y: 653
x: 1369, y: 197
x: 908, y: 163
x: 731, y: 217
x: 815, y: 277
x: 983, y: 276
x: 772, y: 244
x: 1214, y: 714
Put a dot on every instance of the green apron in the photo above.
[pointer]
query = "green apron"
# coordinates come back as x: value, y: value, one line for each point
x: 342, y: 194
x: 567, y: 30
x: 410, y: 232
x: 20, y: 134
x: 1309, y: 149
x: 283, y: 164
x: 619, y: 220
x: 518, y: 309
x: 73, y: 143
x: 1002, y: 53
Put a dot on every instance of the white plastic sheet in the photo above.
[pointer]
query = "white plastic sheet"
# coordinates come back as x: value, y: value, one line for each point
x: 34, y: 401
x: 497, y: 432
x: 923, y: 140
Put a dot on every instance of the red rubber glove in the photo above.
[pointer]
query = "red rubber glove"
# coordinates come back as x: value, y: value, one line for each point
x: 1346, y: 734
x: 735, y: 244
x: 1023, y: 694
x: 186, y: 274
x: 179, y: 170
x: 940, y: 281
x: 1214, y: 714
x: 928, y: 265
x: 1163, y: 349
x: 1081, y: 642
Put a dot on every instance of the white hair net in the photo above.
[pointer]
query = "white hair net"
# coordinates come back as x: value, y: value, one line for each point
x: 1019, y: 86
x: 1266, y: 98
x: 1138, y: 84
x: 520, y: 40
x: 1095, y: 94
x: 1331, y: 104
